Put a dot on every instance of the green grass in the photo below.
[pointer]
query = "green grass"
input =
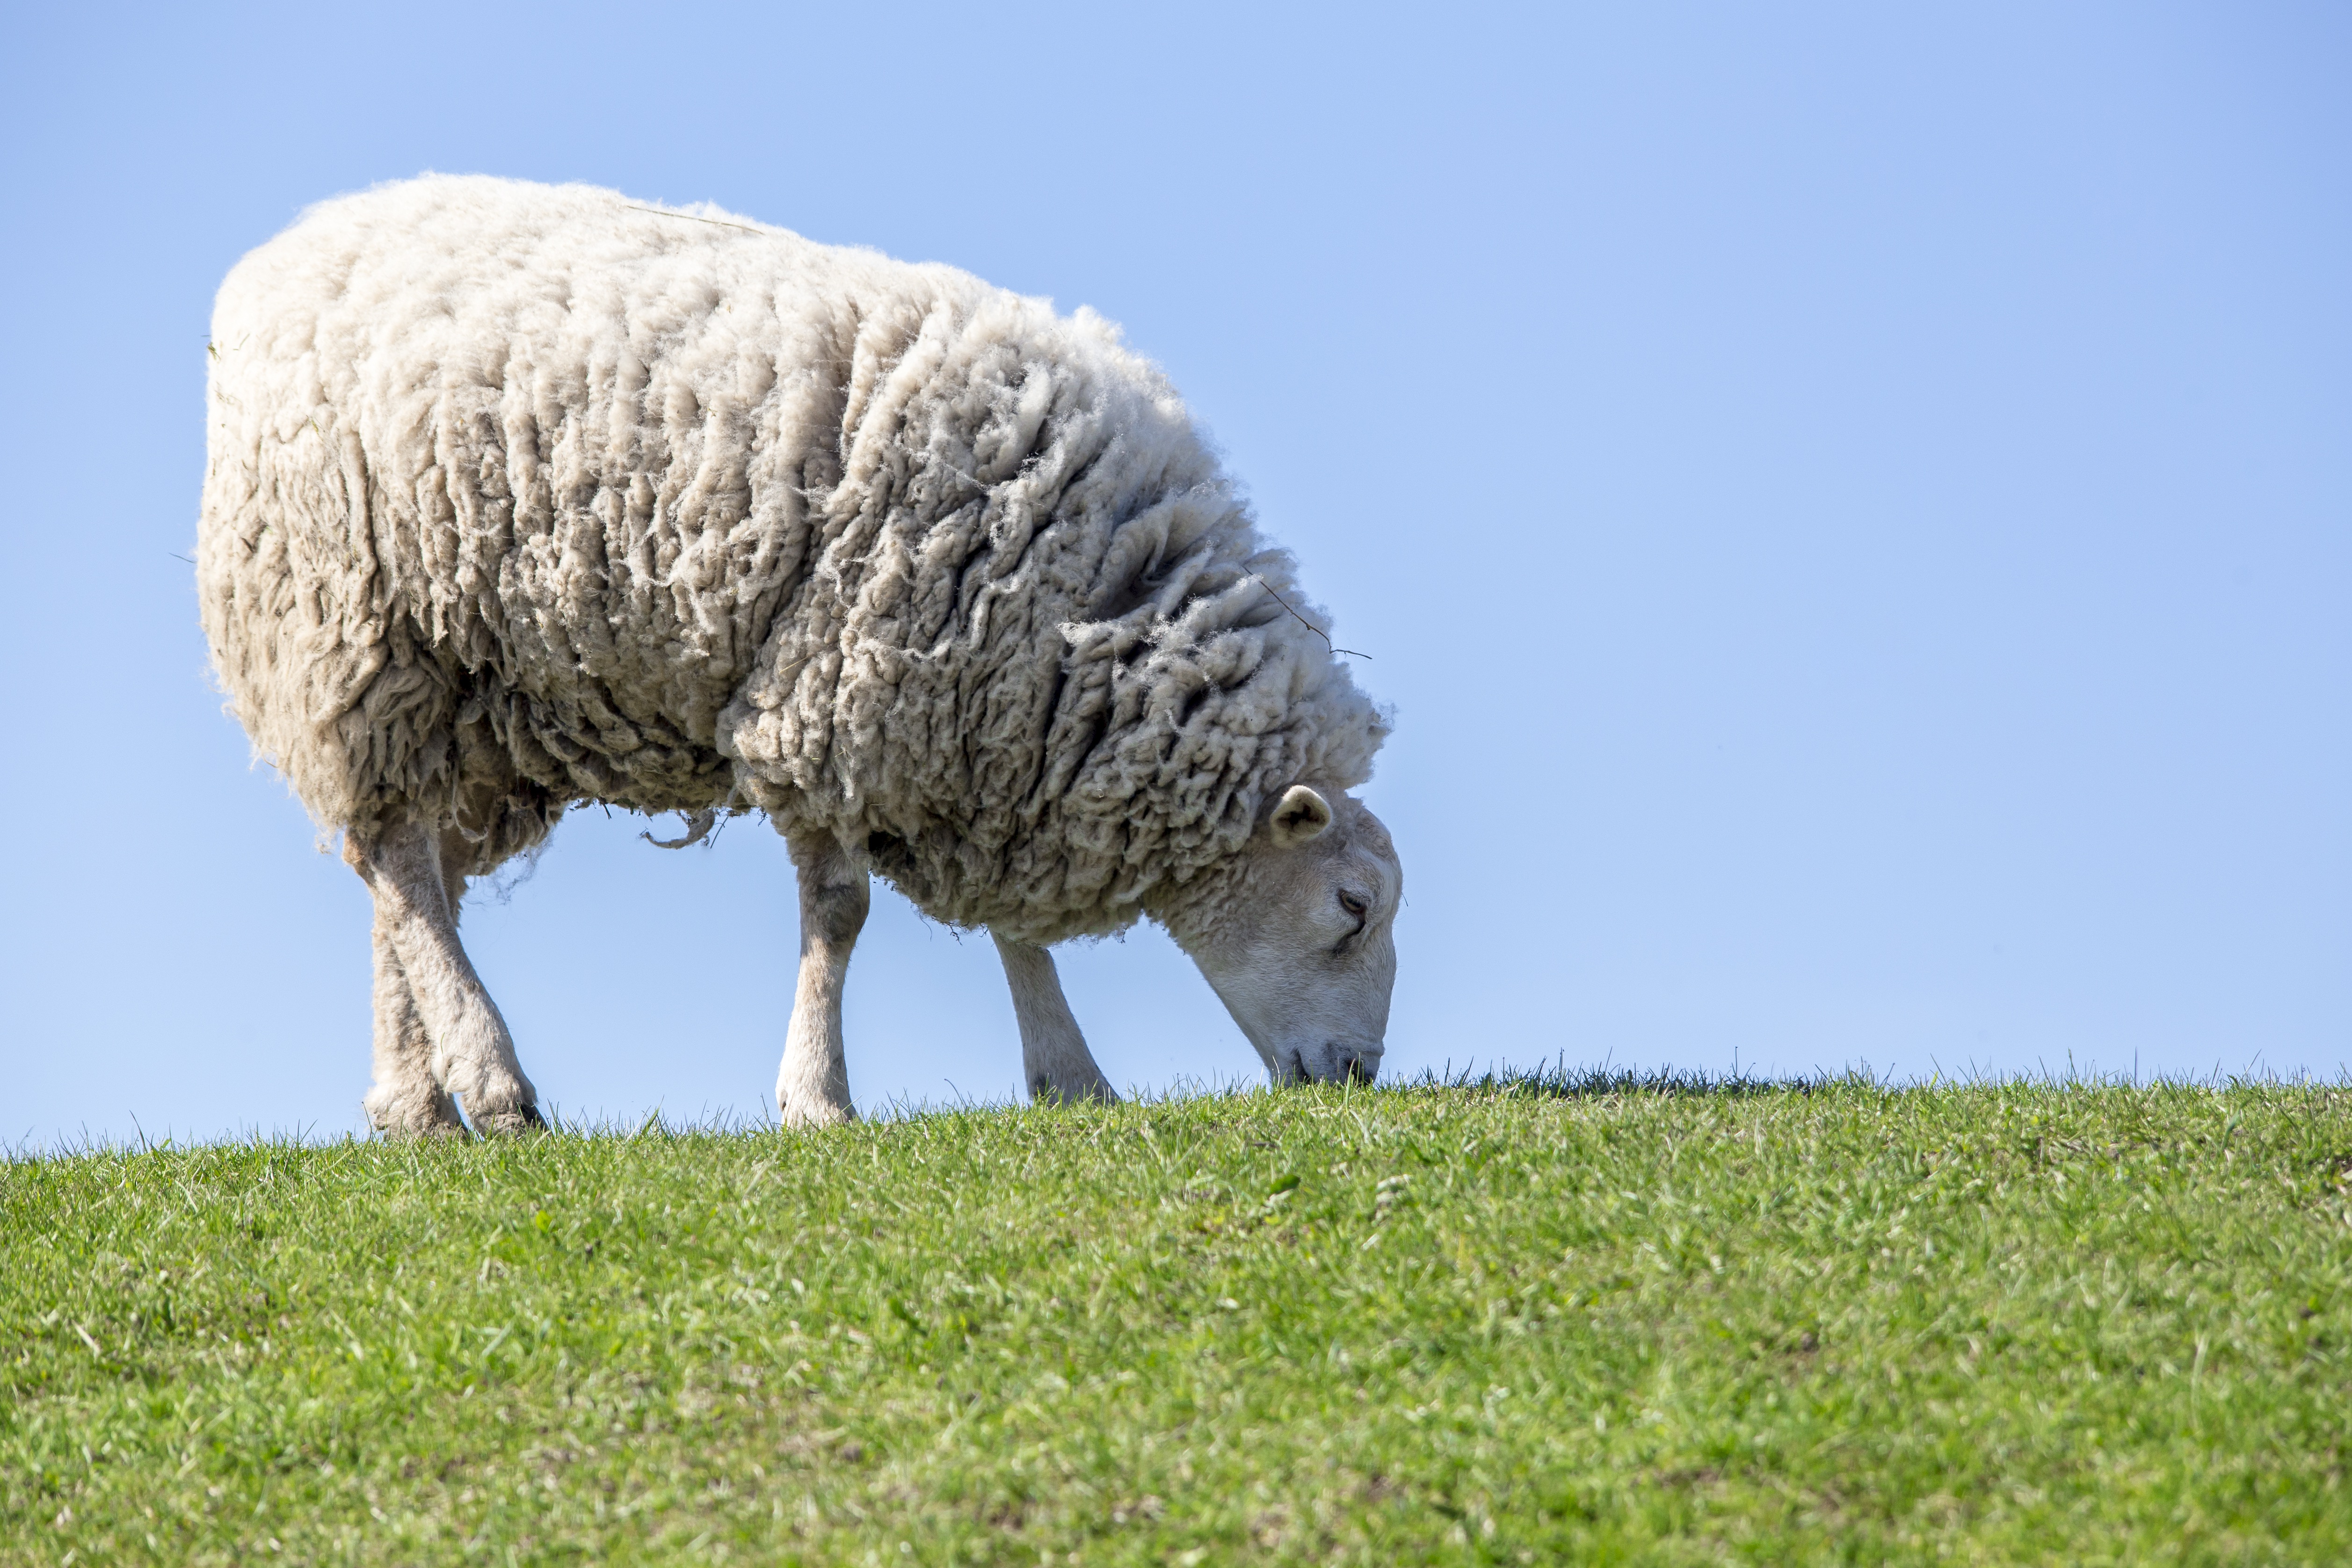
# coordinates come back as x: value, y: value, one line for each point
x: 1542, y: 1322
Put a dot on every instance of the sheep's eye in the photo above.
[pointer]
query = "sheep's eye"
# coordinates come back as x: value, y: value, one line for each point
x: 1355, y: 904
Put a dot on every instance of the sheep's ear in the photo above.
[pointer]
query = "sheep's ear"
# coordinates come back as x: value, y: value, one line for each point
x: 1301, y: 815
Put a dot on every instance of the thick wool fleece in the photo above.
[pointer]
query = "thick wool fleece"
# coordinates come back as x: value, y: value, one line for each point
x: 520, y: 496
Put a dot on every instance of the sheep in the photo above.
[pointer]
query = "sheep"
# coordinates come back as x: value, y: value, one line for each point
x: 523, y: 497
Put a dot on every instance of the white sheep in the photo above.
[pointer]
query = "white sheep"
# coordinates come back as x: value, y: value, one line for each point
x: 520, y: 497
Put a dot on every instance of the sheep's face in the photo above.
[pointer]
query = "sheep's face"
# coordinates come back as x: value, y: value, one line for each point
x: 1305, y: 955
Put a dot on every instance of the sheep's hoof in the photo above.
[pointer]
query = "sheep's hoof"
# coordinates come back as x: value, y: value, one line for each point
x: 430, y: 1133
x: 1045, y: 1093
x: 508, y: 1123
x: 395, y: 1116
x: 803, y: 1117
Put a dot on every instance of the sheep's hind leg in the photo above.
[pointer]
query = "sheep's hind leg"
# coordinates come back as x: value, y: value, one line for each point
x: 1055, y: 1061
x: 404, y: 1100
x: 470, y: 1052
x: 812, y: 1084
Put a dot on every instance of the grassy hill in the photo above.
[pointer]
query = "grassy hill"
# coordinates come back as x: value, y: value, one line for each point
x: 1522, y: 1323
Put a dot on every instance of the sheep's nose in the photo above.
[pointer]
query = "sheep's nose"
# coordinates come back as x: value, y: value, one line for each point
x: 1361, y: 1065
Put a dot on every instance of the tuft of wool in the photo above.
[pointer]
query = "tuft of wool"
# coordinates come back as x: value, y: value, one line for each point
x: 522, y: 496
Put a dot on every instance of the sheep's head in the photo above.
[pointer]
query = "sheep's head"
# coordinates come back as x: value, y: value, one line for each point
x: 1302, y: 950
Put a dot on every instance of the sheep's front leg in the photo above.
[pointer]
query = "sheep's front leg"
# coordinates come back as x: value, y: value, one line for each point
x: 1055, y: 1060
x: 465, y: 1046
x: 812, y: 1085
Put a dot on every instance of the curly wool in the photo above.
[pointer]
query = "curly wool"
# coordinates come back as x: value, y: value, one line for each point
x: 522, y: 496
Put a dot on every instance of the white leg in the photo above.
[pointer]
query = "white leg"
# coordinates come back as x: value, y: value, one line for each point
x: 1054, y: 1056
x: 812, y: 1084
x: 404, y: 1100
x: 472, y: 1054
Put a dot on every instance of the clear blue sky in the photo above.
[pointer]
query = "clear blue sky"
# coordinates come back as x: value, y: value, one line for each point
x: 1852, y: 506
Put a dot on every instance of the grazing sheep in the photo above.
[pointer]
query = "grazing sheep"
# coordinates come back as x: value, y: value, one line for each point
x: 522, y: 496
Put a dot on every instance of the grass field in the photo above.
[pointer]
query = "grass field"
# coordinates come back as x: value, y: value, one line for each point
x: 1545, y: 1323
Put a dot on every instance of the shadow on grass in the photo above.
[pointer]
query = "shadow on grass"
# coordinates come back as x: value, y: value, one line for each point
x: 1561, y: 1081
